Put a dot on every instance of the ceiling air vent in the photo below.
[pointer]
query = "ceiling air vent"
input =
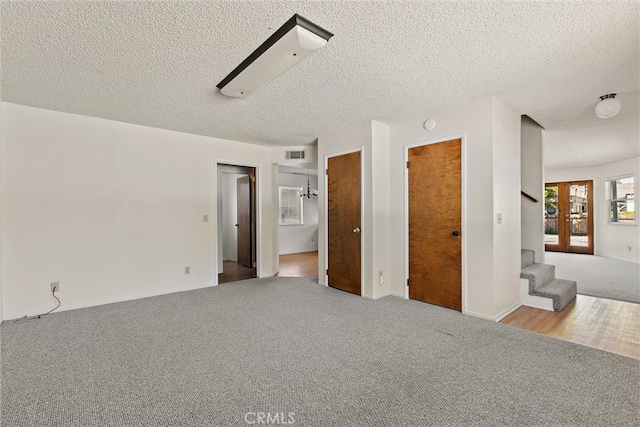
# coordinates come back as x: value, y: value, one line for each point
x: 294, y: 155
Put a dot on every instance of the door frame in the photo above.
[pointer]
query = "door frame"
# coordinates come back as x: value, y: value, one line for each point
x: 463, y: 166
x: 216, y: 246
x: 326, y: 213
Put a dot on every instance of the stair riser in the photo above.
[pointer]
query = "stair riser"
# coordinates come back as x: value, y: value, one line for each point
x: 538, y: 275
x: 562, y: 292
x: 527, y: 257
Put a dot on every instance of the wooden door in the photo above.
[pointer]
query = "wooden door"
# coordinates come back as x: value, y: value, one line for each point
x: 435, y: 222
x: 254, y: 221
x: 568, y: 217
x: 344, y: 204
x: 244, y: 221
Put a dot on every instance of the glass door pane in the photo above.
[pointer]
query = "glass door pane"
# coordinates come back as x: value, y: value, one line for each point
x: 579, y: 214
x: 551, y: 210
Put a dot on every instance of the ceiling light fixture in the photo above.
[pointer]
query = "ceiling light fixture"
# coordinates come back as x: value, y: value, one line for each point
x: 608, y: 106
x: 297, y: 39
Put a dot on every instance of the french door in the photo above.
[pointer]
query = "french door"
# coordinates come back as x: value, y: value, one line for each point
x: 568, y: 217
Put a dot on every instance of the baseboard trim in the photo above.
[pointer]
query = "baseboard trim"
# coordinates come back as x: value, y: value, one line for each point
x: 385, y: 294
x: 620, y: 259
x: 498, y: 317
x: 478, y: 315
x: 396, y: 294
x: 540, y: 305
x: 508, y: 311
x: 115, y: 300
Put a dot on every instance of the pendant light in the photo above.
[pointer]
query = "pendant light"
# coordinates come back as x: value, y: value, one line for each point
x: 310, y: 194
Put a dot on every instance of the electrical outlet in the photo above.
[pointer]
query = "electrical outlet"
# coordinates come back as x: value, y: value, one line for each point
x: 55, y: 287
x: 187, y: 270
x: 629, y: 248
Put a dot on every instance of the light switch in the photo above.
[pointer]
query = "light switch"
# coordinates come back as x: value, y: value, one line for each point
x: 205, y: 218
x: 499, y: 218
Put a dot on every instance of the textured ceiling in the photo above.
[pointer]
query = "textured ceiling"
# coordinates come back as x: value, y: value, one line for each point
x: 157, y: 64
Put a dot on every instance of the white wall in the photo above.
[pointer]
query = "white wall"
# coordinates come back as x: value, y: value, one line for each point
x: 300, y: 238
x: 610, y: 240
x: 113, y: 211
x: 491, y: 174
x: 507, y: 205
x: 488, y: 159
x: 381, y: 209
x: 532, y: 184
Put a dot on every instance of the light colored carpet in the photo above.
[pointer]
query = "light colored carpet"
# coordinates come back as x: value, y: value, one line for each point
x: 220, y: 356
x: 598, y: 276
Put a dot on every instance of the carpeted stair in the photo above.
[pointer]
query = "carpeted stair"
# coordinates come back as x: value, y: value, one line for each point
x: 543, y: 282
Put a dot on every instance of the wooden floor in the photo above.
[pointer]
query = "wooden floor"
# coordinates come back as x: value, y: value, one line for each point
x: 299, y: 265
x: 606, y: 324
x: 232, y: 272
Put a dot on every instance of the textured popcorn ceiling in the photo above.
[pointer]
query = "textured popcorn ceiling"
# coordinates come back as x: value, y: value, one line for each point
x: 157, y: 64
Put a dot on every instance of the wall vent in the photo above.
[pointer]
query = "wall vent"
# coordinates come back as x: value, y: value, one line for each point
x: 294, y: 155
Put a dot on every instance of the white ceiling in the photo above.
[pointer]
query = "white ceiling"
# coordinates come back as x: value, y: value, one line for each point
x: 157, y: 64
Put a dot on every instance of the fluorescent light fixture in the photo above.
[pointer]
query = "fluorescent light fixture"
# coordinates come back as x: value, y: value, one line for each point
x: 608, y: 106
x: 297, y: 39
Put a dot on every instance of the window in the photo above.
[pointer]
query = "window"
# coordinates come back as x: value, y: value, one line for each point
x: 290, y: 205
x: 621, y: 197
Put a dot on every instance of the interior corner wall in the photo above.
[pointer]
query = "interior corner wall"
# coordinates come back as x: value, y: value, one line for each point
x: 506, y: 208
x: 475, y: 120
x: 610, y: 240
x: 532, y: 183
x: 113, y: 211
x: 304, y: 237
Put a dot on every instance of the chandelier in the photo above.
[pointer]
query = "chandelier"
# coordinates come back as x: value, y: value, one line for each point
x: 309, y: 194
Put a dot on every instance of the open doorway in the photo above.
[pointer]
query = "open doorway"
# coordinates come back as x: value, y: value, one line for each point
x: 237, y: 219
x: 298, y: 221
